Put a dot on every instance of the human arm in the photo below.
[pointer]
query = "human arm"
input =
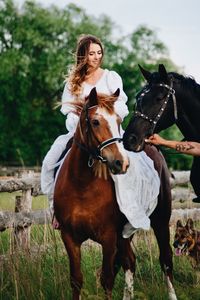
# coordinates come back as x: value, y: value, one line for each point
x: 192, y: 148
x: 66, y: 109
x: 114, y: 82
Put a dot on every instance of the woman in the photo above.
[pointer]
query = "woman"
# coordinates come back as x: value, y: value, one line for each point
x: 86, y: 74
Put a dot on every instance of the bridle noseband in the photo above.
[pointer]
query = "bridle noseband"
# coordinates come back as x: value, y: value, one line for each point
x: 94, y: 153
x: 154, y: 121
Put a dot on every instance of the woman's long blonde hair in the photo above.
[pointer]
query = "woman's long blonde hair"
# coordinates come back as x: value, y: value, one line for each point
x: 80, y: 69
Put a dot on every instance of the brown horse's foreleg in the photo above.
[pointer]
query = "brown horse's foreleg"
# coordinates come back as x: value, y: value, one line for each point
x: 163, y: 237
x: 74, y: 253
x: 108, y: 274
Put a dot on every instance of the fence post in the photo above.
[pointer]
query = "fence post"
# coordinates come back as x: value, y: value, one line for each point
x: 22, y: 233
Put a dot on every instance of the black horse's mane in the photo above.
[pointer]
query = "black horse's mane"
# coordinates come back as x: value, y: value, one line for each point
x: 186, y: 82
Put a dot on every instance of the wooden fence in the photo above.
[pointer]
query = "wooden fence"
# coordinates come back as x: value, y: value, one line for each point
x: 29, y: 185
x: 23, y: 216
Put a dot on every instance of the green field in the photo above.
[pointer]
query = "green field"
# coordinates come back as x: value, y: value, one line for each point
x: 43, y: 273
x: 7, y: 201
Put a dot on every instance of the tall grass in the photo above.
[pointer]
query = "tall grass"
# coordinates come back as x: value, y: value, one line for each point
x: 43, y: 273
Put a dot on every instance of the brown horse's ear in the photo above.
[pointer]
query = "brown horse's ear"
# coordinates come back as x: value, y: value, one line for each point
x: 179, y: 224
x: 92, y: 98
x: 146, y: 74
x: 189, y: 225
x: 116, y: 93
x: 163, y: 73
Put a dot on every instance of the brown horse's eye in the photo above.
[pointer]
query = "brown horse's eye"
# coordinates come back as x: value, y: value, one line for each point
x: 95, y: 122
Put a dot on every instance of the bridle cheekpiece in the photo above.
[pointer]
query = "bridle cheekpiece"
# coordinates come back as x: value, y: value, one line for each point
x: 94, y: 153
x: 153, y: 121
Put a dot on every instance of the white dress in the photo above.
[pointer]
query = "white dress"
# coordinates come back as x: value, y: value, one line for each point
x: 137, y: 190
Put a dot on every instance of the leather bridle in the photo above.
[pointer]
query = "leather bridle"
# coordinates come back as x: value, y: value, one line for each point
x: 154, y: 121
x: 96, y: 152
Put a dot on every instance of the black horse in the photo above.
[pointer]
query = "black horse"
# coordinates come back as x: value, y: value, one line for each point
x: 167, y: 98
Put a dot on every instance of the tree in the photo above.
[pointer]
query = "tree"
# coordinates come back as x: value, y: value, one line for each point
x: 146, y: 49
x: 37, y: 51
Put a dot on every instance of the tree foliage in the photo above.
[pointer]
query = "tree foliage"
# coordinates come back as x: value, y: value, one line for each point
x: 36, y: 51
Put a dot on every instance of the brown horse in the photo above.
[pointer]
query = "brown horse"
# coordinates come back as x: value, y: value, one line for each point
x: 85, y: 204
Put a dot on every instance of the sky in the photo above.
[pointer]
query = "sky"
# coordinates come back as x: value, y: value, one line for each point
x: 176, y: 22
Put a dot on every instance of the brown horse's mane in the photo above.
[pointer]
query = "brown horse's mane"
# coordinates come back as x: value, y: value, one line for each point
x: 104, y: 101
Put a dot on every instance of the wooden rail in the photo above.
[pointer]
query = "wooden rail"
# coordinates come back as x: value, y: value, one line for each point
x: 24, y: 217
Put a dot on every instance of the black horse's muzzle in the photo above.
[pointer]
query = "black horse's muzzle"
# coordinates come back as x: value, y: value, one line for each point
x: 132, y: 143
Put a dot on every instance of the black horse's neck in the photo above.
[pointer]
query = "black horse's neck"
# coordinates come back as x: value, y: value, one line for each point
x: 187, y: 126
x: 188, y: 104
x: 188, y: 129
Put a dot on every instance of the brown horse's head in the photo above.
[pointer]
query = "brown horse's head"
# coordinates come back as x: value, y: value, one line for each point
x: 99, y: 131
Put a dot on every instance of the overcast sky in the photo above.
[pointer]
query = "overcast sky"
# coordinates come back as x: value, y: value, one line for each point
x: 177, y: 23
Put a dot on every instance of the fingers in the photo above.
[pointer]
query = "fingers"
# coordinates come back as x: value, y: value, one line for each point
x: 150, y: 139
x: 147, y: 141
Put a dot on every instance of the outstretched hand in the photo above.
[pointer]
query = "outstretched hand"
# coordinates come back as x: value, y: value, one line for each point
x: 154, y: 139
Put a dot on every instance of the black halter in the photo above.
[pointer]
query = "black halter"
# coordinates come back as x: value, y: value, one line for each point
x: 153, y: 121
x: 94, y: 153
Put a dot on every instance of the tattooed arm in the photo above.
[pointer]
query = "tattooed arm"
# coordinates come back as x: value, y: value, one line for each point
x: 192, y: 148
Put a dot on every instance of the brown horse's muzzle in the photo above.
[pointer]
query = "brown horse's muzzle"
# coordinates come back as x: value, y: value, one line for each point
x: 118, y: 166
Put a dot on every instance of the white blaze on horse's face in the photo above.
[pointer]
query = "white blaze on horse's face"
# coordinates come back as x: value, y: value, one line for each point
x: 113, y: 126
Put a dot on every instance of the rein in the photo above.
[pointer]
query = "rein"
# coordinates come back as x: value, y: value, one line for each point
x: 95, y: 153
x: 154, y: 121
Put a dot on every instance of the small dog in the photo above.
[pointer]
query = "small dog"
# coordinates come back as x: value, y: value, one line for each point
x: 187, y: 241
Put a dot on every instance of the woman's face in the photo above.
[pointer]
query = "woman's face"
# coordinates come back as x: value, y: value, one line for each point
x: 94, y: 56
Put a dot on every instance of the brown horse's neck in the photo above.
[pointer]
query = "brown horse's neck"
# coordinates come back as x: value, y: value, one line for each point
x: 78, y: 157
x: 78, y: 161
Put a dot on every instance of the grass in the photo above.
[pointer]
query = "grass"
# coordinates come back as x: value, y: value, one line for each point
x: 43, y: 273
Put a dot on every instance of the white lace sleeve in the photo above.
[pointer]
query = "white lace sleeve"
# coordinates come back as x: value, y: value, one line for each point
x: 72, y: 119
x: 66, y: 98
x: 115, y: 82
x: 71, y: 122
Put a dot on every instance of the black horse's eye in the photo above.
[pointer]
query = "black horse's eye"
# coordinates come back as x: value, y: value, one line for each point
x: 95, y: 122
x: 160, y: 97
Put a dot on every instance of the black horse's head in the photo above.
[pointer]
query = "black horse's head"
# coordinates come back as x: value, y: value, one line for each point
x: 154, y: 109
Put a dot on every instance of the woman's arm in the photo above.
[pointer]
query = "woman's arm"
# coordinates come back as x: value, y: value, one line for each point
x: 67, y: 98
x: 72, y: 118
x: 192, y: 148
